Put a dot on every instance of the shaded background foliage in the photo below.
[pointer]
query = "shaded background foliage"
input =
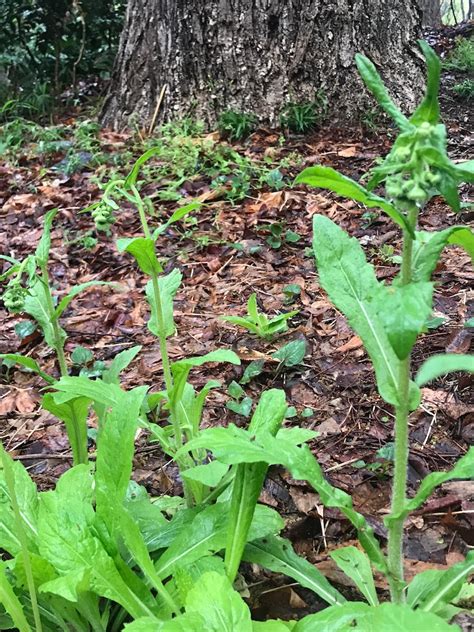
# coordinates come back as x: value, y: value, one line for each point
x: 47, y: 46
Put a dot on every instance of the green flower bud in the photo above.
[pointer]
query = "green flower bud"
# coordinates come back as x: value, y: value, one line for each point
x: 417, y: 194
x: 14, y: 297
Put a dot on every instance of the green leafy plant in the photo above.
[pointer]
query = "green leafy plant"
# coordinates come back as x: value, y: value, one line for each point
x: 236, y: 125
x: 303, y: 117
x: 461, y: 58
x: 258, y: 322
x: 464, y: 89
x: 389, y: 318
x: 278, y: 236
x: 29, y: 290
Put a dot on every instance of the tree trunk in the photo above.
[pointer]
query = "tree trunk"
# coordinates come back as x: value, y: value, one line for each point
x: 256, y: 55
x: 431, y: 12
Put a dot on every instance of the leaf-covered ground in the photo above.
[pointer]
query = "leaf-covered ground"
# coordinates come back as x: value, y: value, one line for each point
x: 227, y: 252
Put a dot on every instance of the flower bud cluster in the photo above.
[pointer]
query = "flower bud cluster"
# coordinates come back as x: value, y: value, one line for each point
x: 103, y: 216
x: 14, y: 297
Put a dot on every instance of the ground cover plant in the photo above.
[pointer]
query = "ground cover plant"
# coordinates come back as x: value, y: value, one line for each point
x: 170, y: 563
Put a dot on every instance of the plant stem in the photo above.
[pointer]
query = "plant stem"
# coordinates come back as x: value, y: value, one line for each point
x: 402, y: 411
x: 58, y: 340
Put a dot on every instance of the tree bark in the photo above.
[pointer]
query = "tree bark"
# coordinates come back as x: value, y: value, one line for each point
x: 256, y: 55
x: 431, y: 12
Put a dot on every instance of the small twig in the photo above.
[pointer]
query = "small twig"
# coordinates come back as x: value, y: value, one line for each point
x: 341, y: 465
x: 157, y: 109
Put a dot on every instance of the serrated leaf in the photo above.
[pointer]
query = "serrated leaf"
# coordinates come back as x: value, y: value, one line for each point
x: 352, y: 286
x: 355, y: 564
x: 143, y: 251
x: 168, y: 287
x: 27, y: 499
x: 276, y: 554
x: 221, y: 607
x: 443, y: 364
x: 328, y: 178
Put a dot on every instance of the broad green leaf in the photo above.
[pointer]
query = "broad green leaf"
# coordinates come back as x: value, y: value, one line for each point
x: 465, y: 171
x: 273, y: 626
x: 233, y: 445
x: 168, y: 286
x: 143, y: 251
x: 67, y: 540
x: 431, y: 590
x: 249, y: 479
x: 44, y: 245
x: 181, y: 369
x: 374, y: 83
x: 176, y: 216
x: 403, y: 311
x: 37, y: 305
x: 386, y: 617
x: 69, y: 586
x: 11, y: 602
x: 355, y: 564
x: 463, y: 469
x: 209, y: 474
x: 74, y: 291
x: 221, y: 607
x: 27, y: 499
x: 352, y: 286
x: 96, y: 390
x: 186, y: 577
x: 443, y: 364
x: 277, y: 555
x: 291, y: 354
x: 28, y: 363
x: 428, y: 110
x: 328, y: 178
x: 115, y: 448
x: 133, y: 539
x: 119, y: 364
x: 74, y: 414
x: 207, y: 534
x: 252, y: 370
x: 427, y: 248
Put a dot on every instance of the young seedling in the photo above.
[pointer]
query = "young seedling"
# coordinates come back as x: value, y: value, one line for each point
x: 258, y: 322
